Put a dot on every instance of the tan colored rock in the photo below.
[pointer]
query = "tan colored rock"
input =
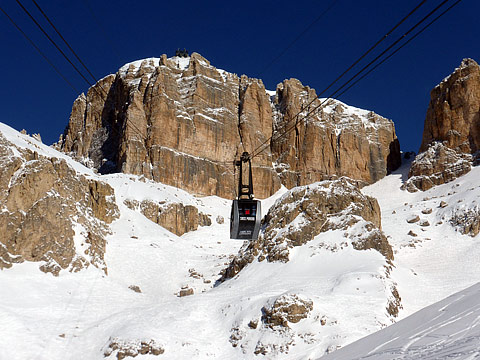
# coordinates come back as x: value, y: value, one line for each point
x: 413, y: 219
x: 466, y: 220
x: 124, y: 348
x: 184, y: 126
x: 335, y: 140
x: 185, y: 292
x: 306, y: 211
x: 451, y: 132
x: 175, y: 217
x: 437, y: 165
x: 45, y: 204
x: 286, y: 308
x: 453, y: 112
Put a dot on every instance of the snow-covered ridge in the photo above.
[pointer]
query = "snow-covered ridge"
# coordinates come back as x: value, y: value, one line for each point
x: 27, y: 142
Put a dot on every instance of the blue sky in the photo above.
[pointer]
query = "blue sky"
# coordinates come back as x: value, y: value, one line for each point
x: 241, y: 37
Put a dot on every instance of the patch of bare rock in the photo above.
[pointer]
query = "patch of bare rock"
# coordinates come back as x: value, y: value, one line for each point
x: 211, y: 116
x: 175, y: 217
x: 306, y: 211
x: 451, y: 135
x: 286, y: 308
x: 132, y: 348
x: 44, y: 205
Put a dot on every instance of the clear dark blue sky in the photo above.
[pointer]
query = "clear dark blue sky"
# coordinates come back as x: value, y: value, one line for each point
x: 241, y: 37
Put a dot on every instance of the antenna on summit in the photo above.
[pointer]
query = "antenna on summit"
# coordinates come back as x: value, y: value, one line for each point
x: 181, y: 53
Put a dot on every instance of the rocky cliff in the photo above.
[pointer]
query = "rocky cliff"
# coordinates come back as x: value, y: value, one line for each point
x: 451, y: 135
x: 181, y: 121
x: 50, y: 214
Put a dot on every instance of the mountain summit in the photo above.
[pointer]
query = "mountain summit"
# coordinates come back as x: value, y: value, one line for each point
x: 181, y: 121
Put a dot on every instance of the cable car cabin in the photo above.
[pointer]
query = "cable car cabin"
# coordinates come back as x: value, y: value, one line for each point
x: 245, y: 219
x: 246, y: 212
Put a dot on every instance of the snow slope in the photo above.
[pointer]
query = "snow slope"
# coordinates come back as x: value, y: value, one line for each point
x: 439, y: 261
x: 77, y: 316
x: 449, y: 329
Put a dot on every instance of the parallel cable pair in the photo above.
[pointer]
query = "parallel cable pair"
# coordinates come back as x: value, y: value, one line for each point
x: 295, y: 120
x: 102, y: 93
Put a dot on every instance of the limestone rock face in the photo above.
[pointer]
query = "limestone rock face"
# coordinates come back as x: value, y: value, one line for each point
x: 335, y: 140
x: 182, y: 122
x: 306, y: 211
x: 435, y: 166
x: 175, y: 217
x: 50, y: 214
x: 451, y: 134
x: 453, y: 113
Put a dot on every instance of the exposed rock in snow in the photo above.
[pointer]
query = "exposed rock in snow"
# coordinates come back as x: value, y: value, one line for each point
x: 175, y: 217
x: 413, y: 219
x: 286, y: 308
x: 466, y: 220
x: 122, y: 348
x: 50, y: 213
x: 437, y: 165
x: 306, y: 211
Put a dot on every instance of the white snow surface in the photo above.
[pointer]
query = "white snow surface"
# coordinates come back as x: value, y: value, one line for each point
x: 448, y: 329
x: 76, y: 315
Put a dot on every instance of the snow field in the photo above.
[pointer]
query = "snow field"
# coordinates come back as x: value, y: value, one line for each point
x: 76, y: 315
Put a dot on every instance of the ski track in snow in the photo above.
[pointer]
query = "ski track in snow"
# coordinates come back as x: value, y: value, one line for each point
x: 73, y: 316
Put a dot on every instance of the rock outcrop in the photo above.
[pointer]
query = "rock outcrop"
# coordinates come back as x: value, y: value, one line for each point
x: 466, y: 220
x: 181, y: 121
x: 288, y: 308
x: 453, y: 113
x: 175, y: 217
x: 451, y: 135
x: 132, y: 348
x: 306, y: 211
x: 51, y: 214
x: 435, y: 166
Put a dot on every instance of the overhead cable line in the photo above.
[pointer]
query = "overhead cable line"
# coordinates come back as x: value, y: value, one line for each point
x: 391, y: 46
x: 39, y: 51
x: 262, y: 147
x: 374, y: 46
x: 52, y: 41
x: 65, y: 41
x: 383, y: 38
x: 299, y: 36
x: 400, y: 47
x: 92, y: 86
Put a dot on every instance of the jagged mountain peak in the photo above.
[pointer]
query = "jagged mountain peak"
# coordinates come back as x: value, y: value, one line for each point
x: 181, y: 121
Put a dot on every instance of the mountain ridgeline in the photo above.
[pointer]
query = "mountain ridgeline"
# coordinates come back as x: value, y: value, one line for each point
x: 182, y: 122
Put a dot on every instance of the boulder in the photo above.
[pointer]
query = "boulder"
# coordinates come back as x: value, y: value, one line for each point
x: 286, y: 308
